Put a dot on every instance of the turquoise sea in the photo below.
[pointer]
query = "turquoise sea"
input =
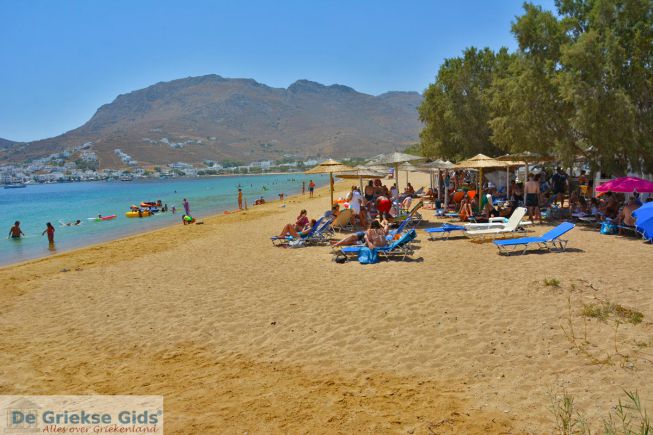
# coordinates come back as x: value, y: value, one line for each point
x: 37, y: 204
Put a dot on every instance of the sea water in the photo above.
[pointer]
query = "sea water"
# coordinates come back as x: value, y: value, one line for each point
x: 60, y: 203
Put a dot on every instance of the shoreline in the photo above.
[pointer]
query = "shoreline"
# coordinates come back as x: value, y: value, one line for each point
x: 217, y: 320
x: 127, y: 237
x: 135, y: 231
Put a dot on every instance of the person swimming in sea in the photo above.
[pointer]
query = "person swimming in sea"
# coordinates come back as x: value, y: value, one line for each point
x: 15, y: 232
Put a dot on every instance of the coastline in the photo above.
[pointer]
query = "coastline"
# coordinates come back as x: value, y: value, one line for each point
x: 219, y: 214
x: 129, y: 232
x: 238, y: 335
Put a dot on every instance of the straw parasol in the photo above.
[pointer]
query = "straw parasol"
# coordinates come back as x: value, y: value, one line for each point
x: 394, y: 159
x: 359, y: 173
x: 329, y: 166
x: 480, y: 162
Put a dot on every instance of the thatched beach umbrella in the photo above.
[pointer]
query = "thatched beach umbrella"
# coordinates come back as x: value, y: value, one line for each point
x: 359, y: 173
x: 330, y: 167
x: 394, y: 159
x: 480, y: 162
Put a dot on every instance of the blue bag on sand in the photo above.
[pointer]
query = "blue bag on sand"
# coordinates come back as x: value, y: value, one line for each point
x: 609, y: 228
x: 368, y: 256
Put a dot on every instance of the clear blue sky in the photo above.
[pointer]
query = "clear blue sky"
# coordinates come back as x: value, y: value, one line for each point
x: 61, y: 60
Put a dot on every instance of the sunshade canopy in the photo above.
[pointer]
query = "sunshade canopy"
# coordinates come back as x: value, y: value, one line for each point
x: 481, y: 161
x: 626, y: 185
x: 393, y: 158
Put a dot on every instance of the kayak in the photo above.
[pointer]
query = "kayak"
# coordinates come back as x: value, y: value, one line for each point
x: 103, y: 218
x: 135, y: 214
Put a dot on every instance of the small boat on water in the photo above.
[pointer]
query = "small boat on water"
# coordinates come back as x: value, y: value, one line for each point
x: 15, y: 185
x: 126, y: 178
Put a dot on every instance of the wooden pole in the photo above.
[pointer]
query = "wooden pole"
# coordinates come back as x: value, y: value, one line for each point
x: 331, y: 188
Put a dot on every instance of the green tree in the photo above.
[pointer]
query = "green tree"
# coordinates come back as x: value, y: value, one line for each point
x: 455, y: 110
x: 607, y: 76
x: 528, y: 113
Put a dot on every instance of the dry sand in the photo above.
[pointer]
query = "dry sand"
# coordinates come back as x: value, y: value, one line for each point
x: 240, y: 336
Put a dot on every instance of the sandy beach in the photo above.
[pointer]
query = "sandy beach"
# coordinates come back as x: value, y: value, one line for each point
x: 242, y: 337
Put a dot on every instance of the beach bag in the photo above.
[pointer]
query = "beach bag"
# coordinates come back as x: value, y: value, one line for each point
x: 296, y: 244
x: 340, y: 258
x: 368, y: 256
x: 609, y: 228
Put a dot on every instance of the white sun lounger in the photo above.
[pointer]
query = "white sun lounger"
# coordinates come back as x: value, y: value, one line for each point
x: 494, y: 230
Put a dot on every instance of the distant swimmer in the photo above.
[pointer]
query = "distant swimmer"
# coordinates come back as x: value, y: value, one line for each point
x: 265, y: 188
x: 49, y: 229
x: 70, y: 224
x: 15, y: 232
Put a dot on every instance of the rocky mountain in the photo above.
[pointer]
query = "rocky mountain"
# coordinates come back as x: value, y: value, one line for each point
x: 6, y: 143
x: 212, y: 117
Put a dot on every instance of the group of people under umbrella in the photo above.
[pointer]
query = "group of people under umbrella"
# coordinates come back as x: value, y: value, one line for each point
x: 379, y: 167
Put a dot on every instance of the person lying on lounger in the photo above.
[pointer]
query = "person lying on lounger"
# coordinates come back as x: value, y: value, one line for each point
x: 291, y: 229
x: 360, y: 237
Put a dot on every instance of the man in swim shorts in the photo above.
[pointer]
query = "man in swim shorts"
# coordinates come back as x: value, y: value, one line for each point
x: 15, y: 232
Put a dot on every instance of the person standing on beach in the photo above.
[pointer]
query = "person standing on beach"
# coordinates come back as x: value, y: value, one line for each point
x: 15, y: 232
x: 240, y: 199
x: 303, y: 187
x: 311, y: 188
x: 186, y: 207
x: 50, y: 230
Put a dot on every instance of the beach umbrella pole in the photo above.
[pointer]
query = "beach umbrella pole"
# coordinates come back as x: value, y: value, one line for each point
x: 331, y: 188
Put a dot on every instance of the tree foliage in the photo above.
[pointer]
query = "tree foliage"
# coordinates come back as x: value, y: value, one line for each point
x: 580, y: 83
x: 455, y: 109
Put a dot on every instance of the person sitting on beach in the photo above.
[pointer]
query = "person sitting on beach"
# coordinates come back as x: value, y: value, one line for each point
x: 375, y: 235
x: 15, y: 232
x: 335, y: 211
x: 405, y: 204
x: 187, y: 219
x: 465, y: 211
x: 409, y: 190
x: 611, y: 207
x: 291, y: 230
x: 301, y: 221
x: 626, y: 216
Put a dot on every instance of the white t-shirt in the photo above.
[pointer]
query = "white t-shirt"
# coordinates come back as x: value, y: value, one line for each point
x: 355, y: 203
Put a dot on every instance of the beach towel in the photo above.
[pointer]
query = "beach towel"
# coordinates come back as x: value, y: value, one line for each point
x: 368, y: 256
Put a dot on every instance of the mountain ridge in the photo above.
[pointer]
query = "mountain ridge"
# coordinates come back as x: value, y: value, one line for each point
x: 212, y: 117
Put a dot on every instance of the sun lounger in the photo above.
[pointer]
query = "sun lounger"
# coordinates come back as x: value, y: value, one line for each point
x: 343, y: 221
x: 510, y: 228
x: 443, y: 232
x: 414, y: 217
x: 399, y: 248
x: 283, y: 240
x: 548, y: 240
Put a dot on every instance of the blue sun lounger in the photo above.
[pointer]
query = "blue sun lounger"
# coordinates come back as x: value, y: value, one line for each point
x: 314, y: 235
x: 400, y: 247
x: 443, y: 231
x: 550, y: 239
